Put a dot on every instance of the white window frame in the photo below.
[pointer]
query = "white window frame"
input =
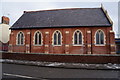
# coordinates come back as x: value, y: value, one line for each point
x: 78, y: 40
x: 38, y: 39
x: 104, y: 38
x: 57, y: 39
x: 20, y: 38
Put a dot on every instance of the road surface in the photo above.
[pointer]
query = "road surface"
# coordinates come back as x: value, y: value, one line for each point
x: 48, y: 73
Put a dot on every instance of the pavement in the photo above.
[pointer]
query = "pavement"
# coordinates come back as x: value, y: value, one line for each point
x: 108, y: 66
x: 23, y: 72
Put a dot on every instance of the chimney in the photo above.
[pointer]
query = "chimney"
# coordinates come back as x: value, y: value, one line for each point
x: 5, y: 20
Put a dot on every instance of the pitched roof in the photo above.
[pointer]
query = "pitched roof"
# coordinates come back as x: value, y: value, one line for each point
x: 74, y: 17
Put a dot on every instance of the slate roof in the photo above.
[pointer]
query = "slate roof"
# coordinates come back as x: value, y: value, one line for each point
x: 76, y: 17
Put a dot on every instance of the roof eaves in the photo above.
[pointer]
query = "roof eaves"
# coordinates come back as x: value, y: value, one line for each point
x: 34, y: 27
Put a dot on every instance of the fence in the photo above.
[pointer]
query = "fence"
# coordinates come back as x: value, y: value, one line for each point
x: 67, y: 58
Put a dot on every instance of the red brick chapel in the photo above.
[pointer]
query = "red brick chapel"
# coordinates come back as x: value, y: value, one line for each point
x: 63, y: 31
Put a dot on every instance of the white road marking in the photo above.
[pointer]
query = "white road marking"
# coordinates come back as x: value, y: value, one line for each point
x: 7, y: 74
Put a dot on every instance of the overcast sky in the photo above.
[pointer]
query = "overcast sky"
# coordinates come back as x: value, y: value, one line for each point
x: 14, y: 8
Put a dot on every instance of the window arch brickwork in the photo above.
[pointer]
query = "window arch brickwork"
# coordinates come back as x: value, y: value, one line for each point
x: 37, y: 38
x: 20, y: 38
x: 57, y: 38
x: 77, y: 38
x: 99, y: 37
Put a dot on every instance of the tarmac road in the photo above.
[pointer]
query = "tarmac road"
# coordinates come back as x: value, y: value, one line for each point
x: 49, y: 73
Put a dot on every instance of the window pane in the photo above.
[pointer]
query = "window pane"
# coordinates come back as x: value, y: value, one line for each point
x: 59, y: 39
x: 102, y: 38
x: 80, y: 38
x: 36, y: 37
x: 55, y: 39
x: 75, y: 38
x: 18, y: 38
x: 21, y: 38
x: 39, y: 39
x: 97, y: 38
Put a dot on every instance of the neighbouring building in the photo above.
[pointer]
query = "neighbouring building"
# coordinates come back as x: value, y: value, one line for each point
x: 63, y: 31
x: 117, y: 41
x: 4, y: 33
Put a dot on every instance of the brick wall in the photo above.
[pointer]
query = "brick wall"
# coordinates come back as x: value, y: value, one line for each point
x: 67, y: 40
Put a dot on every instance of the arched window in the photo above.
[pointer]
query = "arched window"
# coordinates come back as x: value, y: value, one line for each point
x: 99, y: 37
x: 38, y: 38
x: 20, y: 38
x: 57, y: 38
x: 77, y: 37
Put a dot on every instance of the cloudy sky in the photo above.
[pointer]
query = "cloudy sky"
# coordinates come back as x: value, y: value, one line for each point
x: 14, y: 8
